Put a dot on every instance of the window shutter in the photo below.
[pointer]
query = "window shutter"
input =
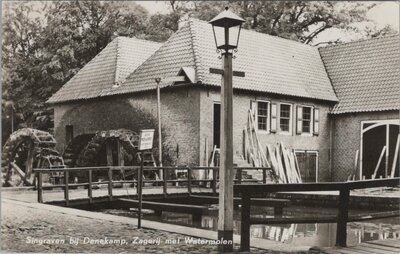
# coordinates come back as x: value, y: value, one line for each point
x: 316, y: 121
x: 253, y: 107
x: 299, y: 120
x: 274, y: 113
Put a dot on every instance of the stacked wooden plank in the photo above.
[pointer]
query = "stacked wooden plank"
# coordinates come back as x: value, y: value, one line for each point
x: 282, y: 161
x: 253, y: 150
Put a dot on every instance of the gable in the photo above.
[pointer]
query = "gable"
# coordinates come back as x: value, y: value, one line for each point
x: 107, y: 69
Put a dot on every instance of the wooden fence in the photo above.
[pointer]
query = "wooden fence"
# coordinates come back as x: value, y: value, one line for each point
x: 110, y: 181
x: 248, y: 191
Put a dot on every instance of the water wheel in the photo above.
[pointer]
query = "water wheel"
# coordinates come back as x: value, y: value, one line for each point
x: 23, y: 150
x: 74, y: 148
x: 109, y: 148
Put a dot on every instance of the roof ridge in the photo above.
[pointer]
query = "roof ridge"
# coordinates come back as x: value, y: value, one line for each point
x: 359, y: 41
x: 117, y: 61
x: 138, y: 39
x: 264, y: 34
x: 163, y: 45
x: 196, y: 53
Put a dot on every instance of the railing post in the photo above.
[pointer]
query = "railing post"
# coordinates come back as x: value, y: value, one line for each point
x: 214, y: 181
x: 342, y: 218
x: 66, y: 188
x: 245, y: 223
x: 110, y: 184
x: 90, y: 195
x: 165, y: 178
x: 39, y: 187
x: 239, y: 176
x: 189, y: 179
x: 264, y: 176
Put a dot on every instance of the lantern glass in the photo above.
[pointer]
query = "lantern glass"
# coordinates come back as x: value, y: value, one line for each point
x: 233, y: 37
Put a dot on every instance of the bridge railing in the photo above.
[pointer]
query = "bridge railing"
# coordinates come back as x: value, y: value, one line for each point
x: 248, y: 191
x: 213, y: 179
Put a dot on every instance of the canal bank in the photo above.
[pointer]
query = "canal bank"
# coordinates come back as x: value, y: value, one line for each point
x: 21, y: 220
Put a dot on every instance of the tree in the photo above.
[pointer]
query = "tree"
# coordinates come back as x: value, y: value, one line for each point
x: 295, y: 20
x: 40, y: 55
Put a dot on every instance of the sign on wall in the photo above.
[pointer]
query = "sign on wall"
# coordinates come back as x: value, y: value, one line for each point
x: 146, y: 139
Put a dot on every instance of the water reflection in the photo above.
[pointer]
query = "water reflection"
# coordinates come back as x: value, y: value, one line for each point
x: 323, y: 235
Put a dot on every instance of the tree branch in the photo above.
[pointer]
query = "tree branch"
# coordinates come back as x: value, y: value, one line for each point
x: 315, y: 33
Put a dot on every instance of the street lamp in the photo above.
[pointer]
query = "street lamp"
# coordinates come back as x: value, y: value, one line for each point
x: 225, y: 38
x: 226, y: 41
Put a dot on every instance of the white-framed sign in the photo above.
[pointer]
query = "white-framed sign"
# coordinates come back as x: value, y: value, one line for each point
x: 146, y: 139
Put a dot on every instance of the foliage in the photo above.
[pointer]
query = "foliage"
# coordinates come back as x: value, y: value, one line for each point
x: 46, y: 43
x: 41, y: 54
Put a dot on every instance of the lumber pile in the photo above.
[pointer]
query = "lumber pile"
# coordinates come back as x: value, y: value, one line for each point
x: 284, y: 164
x: 282, y: 161
x: 253, y: 151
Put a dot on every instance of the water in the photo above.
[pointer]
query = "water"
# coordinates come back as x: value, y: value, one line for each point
x: 318, y: 234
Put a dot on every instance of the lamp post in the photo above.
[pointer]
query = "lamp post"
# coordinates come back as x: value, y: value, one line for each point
x: 223, y: 40
x: 158, y: 80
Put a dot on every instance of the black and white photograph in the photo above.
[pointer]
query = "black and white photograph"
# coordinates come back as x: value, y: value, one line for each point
x: 200, y: 127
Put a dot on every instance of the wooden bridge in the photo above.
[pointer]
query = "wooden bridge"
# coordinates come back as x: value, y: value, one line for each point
x: 247, y: 195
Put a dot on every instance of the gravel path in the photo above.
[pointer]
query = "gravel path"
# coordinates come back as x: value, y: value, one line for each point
x: 26, y: 229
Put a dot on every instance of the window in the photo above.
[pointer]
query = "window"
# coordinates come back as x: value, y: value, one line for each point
x: 285, y: 117
x: 306, y: 120
x: 262, y: 115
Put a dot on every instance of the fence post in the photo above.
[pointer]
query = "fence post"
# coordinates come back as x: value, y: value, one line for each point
x: 90, y: 187
x: 189, y: 179
x: 264, y: 176
x: 239, y: 176
x: 110, y: 184
x: 66, y: 188
x: 165, y: 176
x: 40, y: 188
x: 214, y: 181
x: 342, y: 218
x: 245, y: 223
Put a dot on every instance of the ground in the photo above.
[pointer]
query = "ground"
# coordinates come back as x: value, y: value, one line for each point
x: 21, y: 224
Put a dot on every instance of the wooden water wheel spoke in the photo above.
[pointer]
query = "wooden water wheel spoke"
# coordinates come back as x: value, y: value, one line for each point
x: 24, y: 149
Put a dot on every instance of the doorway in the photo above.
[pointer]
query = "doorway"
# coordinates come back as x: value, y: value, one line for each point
x: 308, y: 165
x: 379, y: 146
x: 217, y: 124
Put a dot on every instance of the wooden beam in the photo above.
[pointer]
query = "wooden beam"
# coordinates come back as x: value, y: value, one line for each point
x: 396, y: 156
x: 342, y: 218
x: 384, y: 149
x: 168, y: 207
x: 18, y: 170
x: 221, y: 72
x: 245, y: 223
x: 109, y: 153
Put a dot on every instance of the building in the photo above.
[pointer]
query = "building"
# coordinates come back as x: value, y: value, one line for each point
x: 294, y: 90
x: 365, y: 76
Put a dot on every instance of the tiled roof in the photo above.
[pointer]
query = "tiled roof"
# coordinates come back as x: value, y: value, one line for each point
x: 365, y: 74
x: 110, y: 67
x: 271, y: 64
x: 167, y: 61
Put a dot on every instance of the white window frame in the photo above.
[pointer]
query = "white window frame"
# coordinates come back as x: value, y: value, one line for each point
x: 268, y: 116
x: 316, y: 163
x: 290, y: 120
x: 308, y: 134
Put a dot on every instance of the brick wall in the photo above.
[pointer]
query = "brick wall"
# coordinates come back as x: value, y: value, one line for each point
x: 179, y: 116
x: 241, y: 105
x: 347, y: 138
